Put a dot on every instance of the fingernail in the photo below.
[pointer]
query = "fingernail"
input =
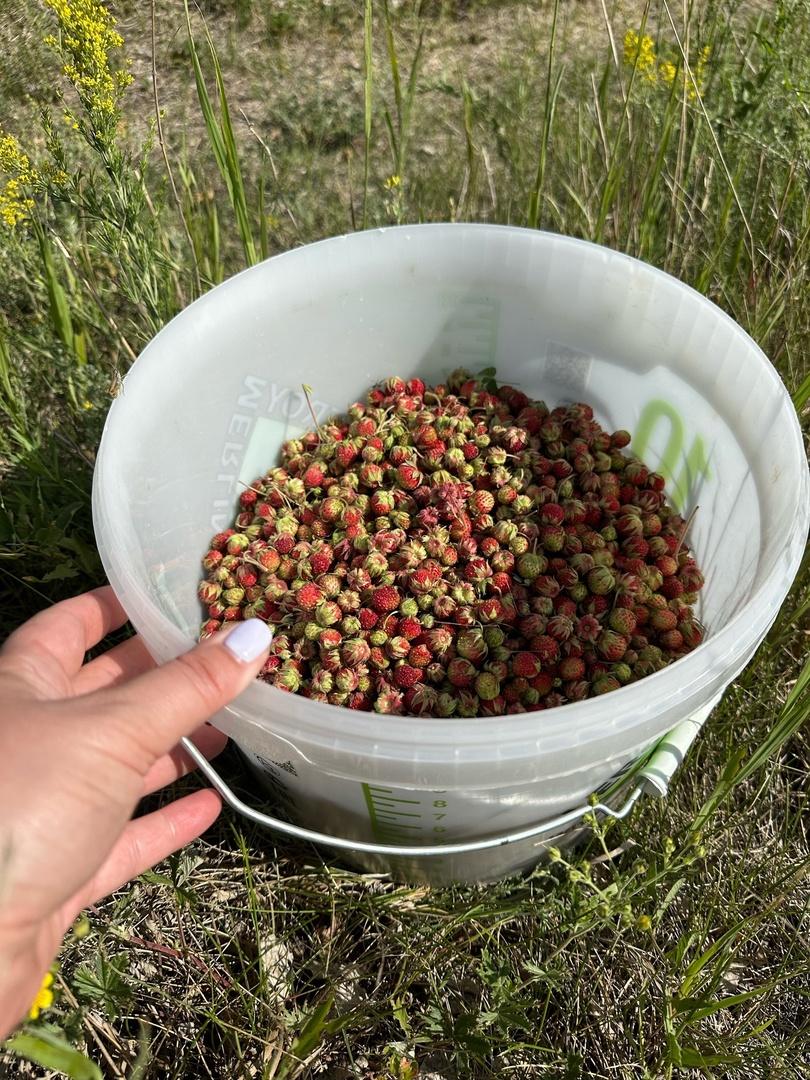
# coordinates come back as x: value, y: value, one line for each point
x: 249, y: 640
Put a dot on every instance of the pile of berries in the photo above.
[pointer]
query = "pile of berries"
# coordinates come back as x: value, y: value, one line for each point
x: 457, y: 550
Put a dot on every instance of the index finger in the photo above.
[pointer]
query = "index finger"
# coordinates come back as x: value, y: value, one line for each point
x: 62, y: 634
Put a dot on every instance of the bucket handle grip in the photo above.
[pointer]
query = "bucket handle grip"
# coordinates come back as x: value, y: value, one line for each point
x: 654, y: 778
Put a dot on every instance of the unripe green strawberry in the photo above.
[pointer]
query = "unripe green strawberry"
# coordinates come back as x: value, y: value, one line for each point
x: 600, y: 580
x: 487, y: 686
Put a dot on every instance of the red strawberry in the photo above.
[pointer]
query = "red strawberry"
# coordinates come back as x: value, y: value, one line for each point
x: 385, y: 599
x: 571, y: 668
x: 461, y: 672
x: 490, y: 610
x: 314, y: 476
x: 546, y: 648
x: 406, y: 675
x: 309, y: 596
x: 526, y: 665
x: 409, y: 627
x: 345, y: 454
x: 672, y: 588
x: 542, y: 683
x: 420, y: 656
x: 368, y: 618
x: 321, y: 560
x: 408, y: 477
x: 672, y: 639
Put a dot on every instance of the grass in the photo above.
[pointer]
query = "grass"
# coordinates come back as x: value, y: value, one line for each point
x: 675, y: 944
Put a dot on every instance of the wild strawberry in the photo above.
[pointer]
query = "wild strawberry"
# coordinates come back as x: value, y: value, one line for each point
x: 691, y: 578
x: 552, y: 514
x: 672, y: 640
x: 691, y: 632
x: 420, y: 656
x: 321, y: 560
x: 546, y: 648
x: 405, y: 676
x: 560, y: 627
x: 663, y: 619
x: 461, y: 672
x: 439, y: 640
x: 611, y: 645
x: 490, y: 610
x: 408, y: 477
x: 672, y: 587
x: 212, y: 559
x: 571, y: 668
x: 526, y: 665
x: 284, y: 544
x: 309, y: 596
x: 487, y: 686
x: 542, y: 683
x: 385, y: 599
x: 354, y: 653
x: 314, y: 476
x: 603, y: 684
x: 622, y: 620
x: 600, y: 580
x: 410, y: 628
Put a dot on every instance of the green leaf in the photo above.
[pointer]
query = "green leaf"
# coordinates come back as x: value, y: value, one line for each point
x: 401, y: 1016
x: 52, y: 1052
x: 154, y: 878
x: 60, y: 572
x: 700, y: 1008
x: 692, y: 1058
x: 104, y: 982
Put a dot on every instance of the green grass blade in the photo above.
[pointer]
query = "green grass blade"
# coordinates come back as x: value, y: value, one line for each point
x: 794, y: 714
x: 311, y: 1034
x: 234, y: 166
x: 802, y: 394
x: 221, y: 138
x: 549, y: 107
x: 368, y: 60
x: 393, y: 62
x: 57, y: 298
x: 211, y: 125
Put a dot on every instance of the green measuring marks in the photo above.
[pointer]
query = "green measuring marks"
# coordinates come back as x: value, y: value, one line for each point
x: 393, y: 819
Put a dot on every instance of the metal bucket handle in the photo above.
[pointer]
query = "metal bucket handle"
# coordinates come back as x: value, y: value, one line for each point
x: 654, y: 777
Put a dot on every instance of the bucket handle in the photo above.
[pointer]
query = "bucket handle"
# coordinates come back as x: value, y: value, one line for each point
x: 654, y: 778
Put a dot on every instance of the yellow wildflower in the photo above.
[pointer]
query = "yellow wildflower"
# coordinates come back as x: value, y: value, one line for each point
x: 392, y: 182
x: 700, y: 67
x: 86, y: 38
x: 667, y: 72
x: 639, y: 53
x: 44, y: 998
x: 15, y: 199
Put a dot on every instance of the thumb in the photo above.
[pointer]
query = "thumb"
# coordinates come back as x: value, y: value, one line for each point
x: 153, y: 711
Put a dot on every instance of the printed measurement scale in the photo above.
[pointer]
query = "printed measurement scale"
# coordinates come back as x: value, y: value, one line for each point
x: 395, y: 819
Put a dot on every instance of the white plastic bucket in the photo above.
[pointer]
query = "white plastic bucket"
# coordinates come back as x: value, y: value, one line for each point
x: 208, y: 403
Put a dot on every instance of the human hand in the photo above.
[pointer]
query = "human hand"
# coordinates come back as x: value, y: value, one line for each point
x: 80, y: 745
